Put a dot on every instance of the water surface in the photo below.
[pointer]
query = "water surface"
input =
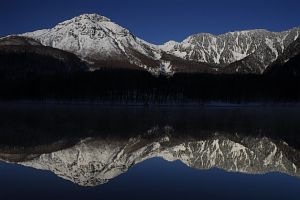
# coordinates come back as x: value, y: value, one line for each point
x: 76, y: 152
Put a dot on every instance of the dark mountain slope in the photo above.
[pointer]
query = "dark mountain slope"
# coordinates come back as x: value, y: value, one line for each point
x: 21, y: 57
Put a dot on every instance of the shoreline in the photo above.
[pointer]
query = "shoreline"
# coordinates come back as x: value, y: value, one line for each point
x: 151, y: 105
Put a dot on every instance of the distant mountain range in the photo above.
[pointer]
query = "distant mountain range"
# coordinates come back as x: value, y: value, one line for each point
x: 100, y: 43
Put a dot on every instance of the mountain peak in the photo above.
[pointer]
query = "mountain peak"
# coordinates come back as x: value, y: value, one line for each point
x: 86, y: 21
x: 93, y: 17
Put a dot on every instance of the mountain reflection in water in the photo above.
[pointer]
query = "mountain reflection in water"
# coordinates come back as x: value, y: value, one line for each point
x: 91, y: 146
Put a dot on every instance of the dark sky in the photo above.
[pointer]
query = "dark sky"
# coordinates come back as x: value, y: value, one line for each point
x: 156, y: 21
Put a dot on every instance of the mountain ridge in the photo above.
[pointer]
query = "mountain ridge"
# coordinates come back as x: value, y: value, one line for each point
x: 99, y: 41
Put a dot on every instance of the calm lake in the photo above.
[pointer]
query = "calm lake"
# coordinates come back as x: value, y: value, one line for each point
x: 94, y: 152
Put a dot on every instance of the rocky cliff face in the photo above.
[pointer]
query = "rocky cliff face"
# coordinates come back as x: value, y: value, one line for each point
x: 288, y: 63
x: 242, y: 51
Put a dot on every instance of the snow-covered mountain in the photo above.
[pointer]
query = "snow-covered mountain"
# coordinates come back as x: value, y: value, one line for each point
x: 250, y: 51
x: 97, y: 39
x: 103, y: 43
x: 95, y: 161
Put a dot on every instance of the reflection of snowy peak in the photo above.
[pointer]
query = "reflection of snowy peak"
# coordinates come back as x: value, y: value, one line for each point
x: 103, y: 43
x: 95, y: 161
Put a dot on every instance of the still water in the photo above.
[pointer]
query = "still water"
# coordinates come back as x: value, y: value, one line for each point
x: 93, y: 152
